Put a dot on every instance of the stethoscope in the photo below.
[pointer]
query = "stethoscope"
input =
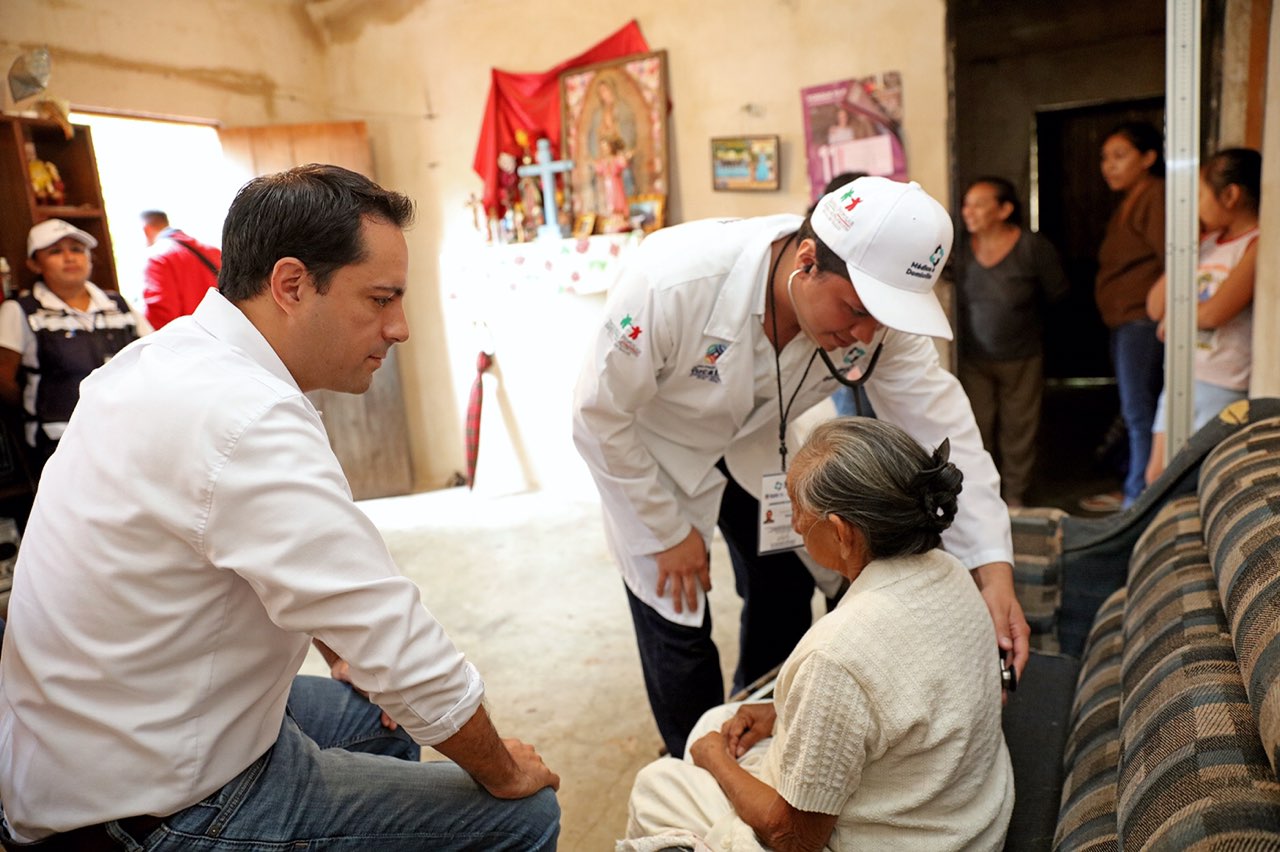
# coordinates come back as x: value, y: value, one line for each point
x: 842, y: 377
x: 836, y: 373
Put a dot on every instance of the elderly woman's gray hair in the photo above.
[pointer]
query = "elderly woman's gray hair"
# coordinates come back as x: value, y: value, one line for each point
x: 882, y: 481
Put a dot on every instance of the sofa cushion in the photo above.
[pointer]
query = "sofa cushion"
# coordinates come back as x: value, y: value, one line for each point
x: 1192, y: 769
x: 1240, y: 502
x: 1171, y: 589
x: 1087, y: 820
x: 1037, y: 549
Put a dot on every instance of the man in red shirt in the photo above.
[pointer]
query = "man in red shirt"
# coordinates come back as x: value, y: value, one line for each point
x: 180, y: 269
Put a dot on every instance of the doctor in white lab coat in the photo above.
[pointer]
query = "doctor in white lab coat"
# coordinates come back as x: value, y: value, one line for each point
x: 707, y: 346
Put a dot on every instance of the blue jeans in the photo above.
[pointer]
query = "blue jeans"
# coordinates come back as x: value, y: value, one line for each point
x: 1138, y: 356
x: 337, y: 780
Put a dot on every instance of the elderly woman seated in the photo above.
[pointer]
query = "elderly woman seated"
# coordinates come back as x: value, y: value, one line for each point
x: 884, y: 732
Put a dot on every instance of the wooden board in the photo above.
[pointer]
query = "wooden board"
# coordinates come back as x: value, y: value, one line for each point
x: 368, y: 432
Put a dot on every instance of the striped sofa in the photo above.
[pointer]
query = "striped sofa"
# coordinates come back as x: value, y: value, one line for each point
x: 1174, y: 735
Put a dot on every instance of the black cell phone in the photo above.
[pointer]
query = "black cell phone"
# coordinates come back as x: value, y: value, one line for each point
x: 1008, y: 675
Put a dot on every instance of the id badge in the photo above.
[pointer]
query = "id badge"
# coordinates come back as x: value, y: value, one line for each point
x: 776, y: 534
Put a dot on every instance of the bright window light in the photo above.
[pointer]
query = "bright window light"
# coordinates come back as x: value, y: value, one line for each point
x: 157, y: 165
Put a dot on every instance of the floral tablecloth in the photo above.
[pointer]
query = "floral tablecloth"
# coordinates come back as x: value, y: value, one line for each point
x: 587, y: 265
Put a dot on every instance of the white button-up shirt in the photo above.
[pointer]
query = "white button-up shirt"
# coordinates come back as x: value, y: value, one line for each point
x: 191, y: 534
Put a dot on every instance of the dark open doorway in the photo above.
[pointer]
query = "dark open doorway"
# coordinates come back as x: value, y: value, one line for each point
x: 1073, y: 207
x: 1036, y: 85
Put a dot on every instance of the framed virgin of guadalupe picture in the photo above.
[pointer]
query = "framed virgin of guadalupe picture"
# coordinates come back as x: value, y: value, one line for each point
x: 614, y: 128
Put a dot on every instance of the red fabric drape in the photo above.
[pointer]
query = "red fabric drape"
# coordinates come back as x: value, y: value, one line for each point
x: 531, y: 102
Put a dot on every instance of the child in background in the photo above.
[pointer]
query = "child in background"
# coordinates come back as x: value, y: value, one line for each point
x: 1230, y: 194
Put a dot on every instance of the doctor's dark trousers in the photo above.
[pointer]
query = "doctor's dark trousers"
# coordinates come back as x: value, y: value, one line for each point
x: 681, y: 664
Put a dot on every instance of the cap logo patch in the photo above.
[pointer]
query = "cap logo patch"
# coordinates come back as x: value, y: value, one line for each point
x: 850, y: 201
x: 919, y: 270
x: 936, y: 256
x: 835, y: 214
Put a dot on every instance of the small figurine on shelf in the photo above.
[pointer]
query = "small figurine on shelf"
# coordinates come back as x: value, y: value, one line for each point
x: 478, y: 220
x: 564, y: 216
x: 508, y: 198
x: 531, y: 203
x: 46, y: 183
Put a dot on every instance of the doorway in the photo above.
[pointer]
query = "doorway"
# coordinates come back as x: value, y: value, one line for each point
x: 192, y: 171
x: 157, y: 164
x: 1036, y: 85
x: 1071, y: 206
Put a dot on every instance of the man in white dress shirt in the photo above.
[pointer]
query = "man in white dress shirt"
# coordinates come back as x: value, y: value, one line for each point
x: 194, y: 533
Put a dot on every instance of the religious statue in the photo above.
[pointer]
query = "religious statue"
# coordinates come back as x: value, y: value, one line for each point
x: 508, y: 199
x: 531, y: 203
x: 610, y: 168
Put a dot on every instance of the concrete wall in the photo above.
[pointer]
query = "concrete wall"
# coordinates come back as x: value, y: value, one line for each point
x: 997, y: 104
x: 418, y: 74
x: 233, y: 61
x: 434, y: 61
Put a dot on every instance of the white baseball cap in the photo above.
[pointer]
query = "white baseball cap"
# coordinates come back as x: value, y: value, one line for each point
x: 49, y: 231
x: 894, y: 237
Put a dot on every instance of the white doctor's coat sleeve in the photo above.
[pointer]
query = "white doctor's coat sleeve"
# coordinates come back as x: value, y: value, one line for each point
x: 620, y: 375
x: 910, y: 389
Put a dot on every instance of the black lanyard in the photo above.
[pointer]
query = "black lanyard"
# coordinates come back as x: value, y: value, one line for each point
x: 777, y: 360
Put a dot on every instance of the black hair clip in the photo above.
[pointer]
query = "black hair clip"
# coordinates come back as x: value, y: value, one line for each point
x: 940, y: 458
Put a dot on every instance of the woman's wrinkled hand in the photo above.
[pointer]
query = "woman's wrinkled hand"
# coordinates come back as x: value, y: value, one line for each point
x: 751, y: 724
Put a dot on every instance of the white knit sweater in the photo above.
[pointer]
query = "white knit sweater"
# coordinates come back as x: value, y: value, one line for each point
x: 889, y: 714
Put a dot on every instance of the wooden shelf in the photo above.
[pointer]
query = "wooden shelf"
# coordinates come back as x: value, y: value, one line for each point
x: 78, y: 169
x: 55, y: 211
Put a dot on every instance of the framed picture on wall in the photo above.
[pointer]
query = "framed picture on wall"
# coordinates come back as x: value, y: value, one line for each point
x: 854, y: 126
x: 745, y: 162
x: 614, y: 128
x: 648, y: 211
x: 584, y: 225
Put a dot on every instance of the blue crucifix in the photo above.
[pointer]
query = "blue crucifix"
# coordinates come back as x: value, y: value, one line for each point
x: 546, y: 168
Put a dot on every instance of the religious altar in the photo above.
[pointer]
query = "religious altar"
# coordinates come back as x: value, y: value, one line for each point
x: 535, y: 307
x: 583, y: 265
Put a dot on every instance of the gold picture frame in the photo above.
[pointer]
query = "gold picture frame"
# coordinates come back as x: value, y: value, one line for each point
x: 584, y: 226
x: 648, y: 211
x: 745, y: 163
x: 614, y: 129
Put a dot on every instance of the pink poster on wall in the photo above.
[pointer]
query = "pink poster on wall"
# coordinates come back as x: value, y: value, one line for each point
x: 854, y: 126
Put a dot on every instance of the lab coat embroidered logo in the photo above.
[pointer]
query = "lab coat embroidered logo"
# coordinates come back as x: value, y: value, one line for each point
x: 624, y: 334
x: 709, y: 372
